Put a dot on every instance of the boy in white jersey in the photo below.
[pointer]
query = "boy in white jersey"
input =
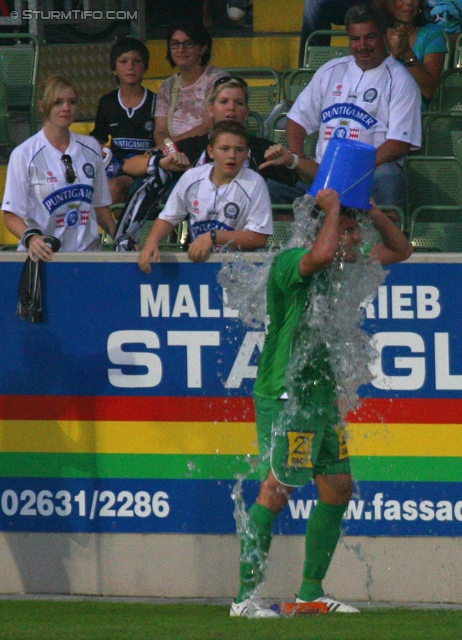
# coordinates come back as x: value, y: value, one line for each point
x: 227, y: 203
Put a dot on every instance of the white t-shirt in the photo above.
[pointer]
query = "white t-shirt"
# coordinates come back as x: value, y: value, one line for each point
x: 36, y: 189
x: 244, y: 203
x: 371, y: 106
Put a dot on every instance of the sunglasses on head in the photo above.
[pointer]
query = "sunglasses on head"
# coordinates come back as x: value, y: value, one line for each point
x: 70, y: 173
x: 227, y: 79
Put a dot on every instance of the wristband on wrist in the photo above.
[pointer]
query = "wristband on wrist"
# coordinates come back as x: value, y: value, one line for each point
x: 169, y: 147
x: 27, y: 236
x: 295, y: 161
x: 213, y: 235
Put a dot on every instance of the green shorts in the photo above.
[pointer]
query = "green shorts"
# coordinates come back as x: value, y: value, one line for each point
x: 300, y: 446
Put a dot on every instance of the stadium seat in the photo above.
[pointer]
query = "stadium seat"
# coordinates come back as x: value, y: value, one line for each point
x: 442, y: 135
x: 5, y: 132
x: 281, y: 231
x: 278, y: 135
x: 437, y: 228
x: 315, y: 56
x: 432, y: 181
x: 255, y: 124
x: 450, y: 91
x: 458, y: 52
x: 296, y: 81
x: 19, y: 56
x: 264, y: 87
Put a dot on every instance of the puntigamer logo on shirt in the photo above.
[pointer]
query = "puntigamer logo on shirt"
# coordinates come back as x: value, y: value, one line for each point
x: 72, y: 193
x: 348, y: 110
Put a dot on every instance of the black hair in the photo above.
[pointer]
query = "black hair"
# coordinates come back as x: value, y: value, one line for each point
x: 126, y: 45
x: 361, y: 13
x: 197, y: 33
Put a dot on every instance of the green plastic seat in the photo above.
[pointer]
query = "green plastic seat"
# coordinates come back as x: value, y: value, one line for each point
x: 5, y: 131
x: 19, y: 58
x: 315, y: 56
x: 281, y: 231
x: 432, y: 181
x: 278, y: 135
x: 296, y: 81
x: 264, y: 85
x: 450, y: 91
x: 255, y: 124
x: 437, y: 229
x: 443, y: 135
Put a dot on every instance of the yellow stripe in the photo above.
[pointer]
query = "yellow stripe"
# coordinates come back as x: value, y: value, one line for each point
x: 438, y: 440
x: 233, y: 438
x: 69, y: 436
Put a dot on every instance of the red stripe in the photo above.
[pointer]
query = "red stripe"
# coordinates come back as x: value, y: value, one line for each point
x: 210, y: 409
x: 141, y: 408
x: 409, y: 410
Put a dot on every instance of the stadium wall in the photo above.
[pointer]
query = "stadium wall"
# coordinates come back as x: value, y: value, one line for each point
x: 126, y: 417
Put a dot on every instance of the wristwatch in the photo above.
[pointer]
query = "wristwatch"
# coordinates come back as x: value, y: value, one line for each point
x: 213, y: 235
x: 412, y: 61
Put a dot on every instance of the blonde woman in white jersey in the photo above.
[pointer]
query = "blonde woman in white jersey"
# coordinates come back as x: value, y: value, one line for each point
x: 56, y: 184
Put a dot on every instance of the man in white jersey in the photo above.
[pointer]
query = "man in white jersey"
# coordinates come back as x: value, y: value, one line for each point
x: 367, y: 96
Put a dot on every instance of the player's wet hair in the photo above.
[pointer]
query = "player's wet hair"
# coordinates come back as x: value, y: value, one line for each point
x: 50, y: 91
x: 126, y: 45
x: 229, y: 126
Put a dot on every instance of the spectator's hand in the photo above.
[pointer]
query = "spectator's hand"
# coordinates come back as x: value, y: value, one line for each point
x: 176, y: 161
x: 39, y: 250
x: 200, y: 249
x: 328, y: 199
x: 148, y: 255
x: 398, y: 42
x: 277, y: 155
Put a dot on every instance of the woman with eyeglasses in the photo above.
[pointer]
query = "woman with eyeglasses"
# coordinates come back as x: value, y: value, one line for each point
x: 181, y: 108
x: 56, y: 184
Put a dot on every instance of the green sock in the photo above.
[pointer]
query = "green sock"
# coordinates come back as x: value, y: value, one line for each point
x: 322, y: 534
x: 255, y: 545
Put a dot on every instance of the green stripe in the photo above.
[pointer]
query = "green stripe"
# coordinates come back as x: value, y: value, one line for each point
x: 213, y: 467
x: 406, y: 469
x: 108, y: 465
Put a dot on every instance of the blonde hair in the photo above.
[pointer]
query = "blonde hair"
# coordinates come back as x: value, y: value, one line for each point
x: 51, y: 90
x: 230, y: 83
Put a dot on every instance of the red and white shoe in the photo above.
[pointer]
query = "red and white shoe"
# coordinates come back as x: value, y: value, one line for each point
x: 333, y: 605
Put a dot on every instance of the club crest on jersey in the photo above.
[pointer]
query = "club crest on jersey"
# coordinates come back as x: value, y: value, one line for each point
x: 231, y: 210
x: 337, y: 91
x: 89, y: 170
x: 72, y: 218
x: 149, y: 125
x: 370, y: 95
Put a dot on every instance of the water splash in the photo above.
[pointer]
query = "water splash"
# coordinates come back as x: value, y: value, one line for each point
x: 330, y: 330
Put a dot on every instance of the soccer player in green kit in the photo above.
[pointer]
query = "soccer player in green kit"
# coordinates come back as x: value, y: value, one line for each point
x: 297, y: 446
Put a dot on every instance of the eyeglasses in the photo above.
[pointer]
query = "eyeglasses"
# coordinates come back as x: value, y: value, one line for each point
x: 186, y: 44
x: 70, y: 173
x: 226, y: 79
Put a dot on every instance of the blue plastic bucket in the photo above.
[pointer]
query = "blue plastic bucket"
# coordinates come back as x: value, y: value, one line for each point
x: 348, y: 167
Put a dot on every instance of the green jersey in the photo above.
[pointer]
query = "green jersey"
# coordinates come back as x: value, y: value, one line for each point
x: 288, y: 295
